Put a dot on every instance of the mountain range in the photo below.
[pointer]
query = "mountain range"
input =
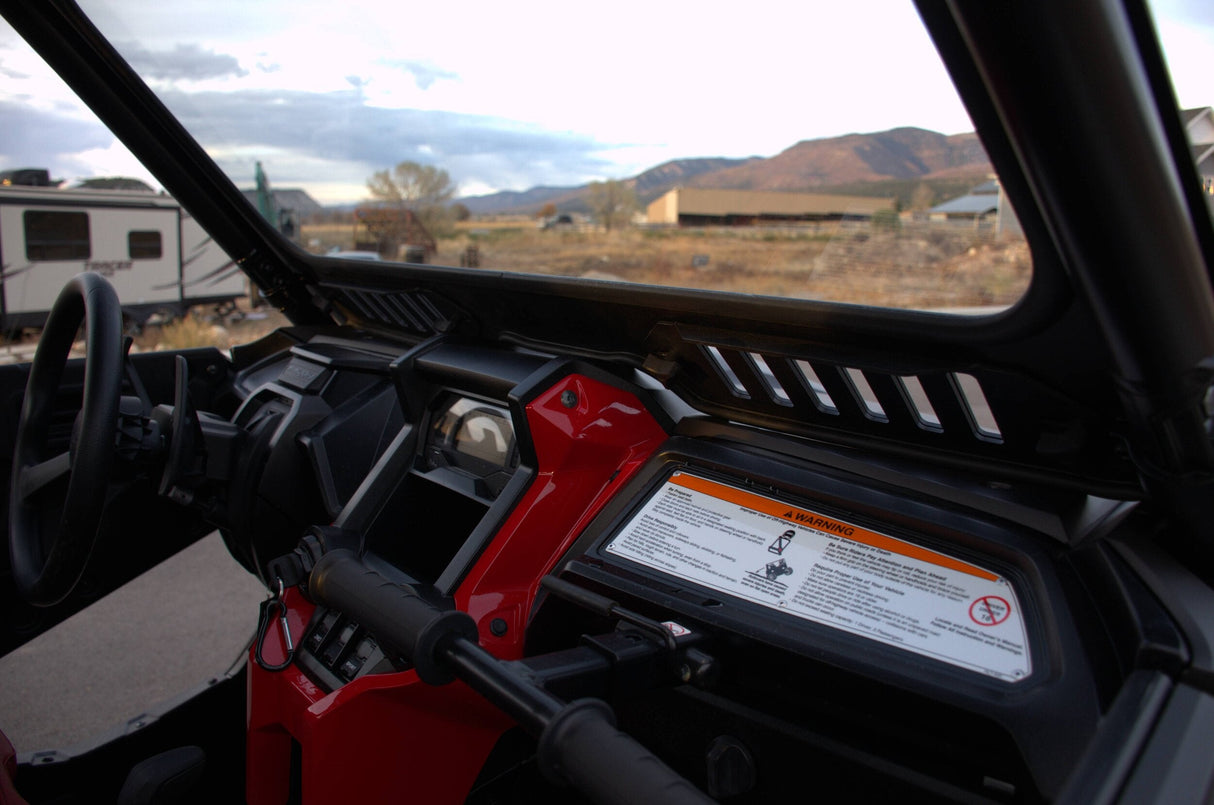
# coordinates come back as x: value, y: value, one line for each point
x: 882, y: 163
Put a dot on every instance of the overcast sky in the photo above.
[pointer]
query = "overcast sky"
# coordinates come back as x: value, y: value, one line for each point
x: 508, y: 97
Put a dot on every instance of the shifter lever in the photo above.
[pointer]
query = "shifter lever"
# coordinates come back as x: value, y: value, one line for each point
x: 183, y: 435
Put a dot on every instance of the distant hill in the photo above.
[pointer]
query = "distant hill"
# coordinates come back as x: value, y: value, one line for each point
x: 905, y: 153
x: 517, y: 201
x: 656, y: 181
x: 648, y: 186
x: 893, y: 162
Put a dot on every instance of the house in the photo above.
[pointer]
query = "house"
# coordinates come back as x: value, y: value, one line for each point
x: 979, y: 205
x: 984, y: 207
x: 687, y: 206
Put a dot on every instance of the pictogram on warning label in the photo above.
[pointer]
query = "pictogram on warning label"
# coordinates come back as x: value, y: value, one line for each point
x: 774, y: 570
x: 831, y: 572
x: 989, y: 610
x: 781, y: 542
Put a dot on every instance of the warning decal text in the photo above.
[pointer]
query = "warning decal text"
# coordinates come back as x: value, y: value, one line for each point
x: 831, y: 572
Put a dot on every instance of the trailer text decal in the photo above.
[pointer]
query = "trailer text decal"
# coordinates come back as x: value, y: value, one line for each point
x: 831, y: 572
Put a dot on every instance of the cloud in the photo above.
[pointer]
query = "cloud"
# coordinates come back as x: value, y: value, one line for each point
x: 1200, y: 12
x: 424, y: 73
x: 184, y: 62
x: 1184, y: 13
x: 41, y: 138
x: 9, y: 72
x: 309, y: 129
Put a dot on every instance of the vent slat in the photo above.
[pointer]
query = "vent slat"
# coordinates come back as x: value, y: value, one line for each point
x: 409, y: 311
x: 890, y: 394
x: 767, y: 377
x: 862, y: 392
x: 404, y: 313
x: 726, y: 371
x: 919, y: 404
x: 812, y: 384
x: 981, y: 416
x: 943, y: 397
x: 840, y: 391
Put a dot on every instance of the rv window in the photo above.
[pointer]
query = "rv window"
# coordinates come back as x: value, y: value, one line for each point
x: 144, y: 245
x: 56, y: 235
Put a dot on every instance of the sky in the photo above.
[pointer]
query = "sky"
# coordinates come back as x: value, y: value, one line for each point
x: 509, y: 96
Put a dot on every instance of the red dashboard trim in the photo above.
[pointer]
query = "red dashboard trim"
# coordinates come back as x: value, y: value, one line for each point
x: 381, y: 737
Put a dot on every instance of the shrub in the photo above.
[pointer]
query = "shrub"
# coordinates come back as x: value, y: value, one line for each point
x: 887, y: 221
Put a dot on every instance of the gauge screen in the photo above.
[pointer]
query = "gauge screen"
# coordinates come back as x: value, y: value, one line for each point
x: 473, y: 435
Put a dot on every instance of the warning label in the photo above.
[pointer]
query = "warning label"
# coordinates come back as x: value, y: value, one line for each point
x: 830, y: 572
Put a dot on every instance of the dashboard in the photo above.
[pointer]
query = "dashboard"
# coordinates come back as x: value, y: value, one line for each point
x: 887, y: 630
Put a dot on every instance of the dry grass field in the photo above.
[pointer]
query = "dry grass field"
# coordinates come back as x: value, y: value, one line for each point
x: 202, y: 328
x: 916, y: 265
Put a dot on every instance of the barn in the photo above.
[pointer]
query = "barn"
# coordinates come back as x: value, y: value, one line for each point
x: 687, y: 206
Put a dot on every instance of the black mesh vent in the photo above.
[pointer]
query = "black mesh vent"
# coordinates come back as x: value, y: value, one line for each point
x: 414, y: 311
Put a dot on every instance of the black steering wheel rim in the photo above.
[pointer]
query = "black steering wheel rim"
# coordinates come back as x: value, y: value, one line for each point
x: 47, y: 566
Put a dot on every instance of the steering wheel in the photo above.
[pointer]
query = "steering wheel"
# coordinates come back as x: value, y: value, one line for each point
x: 56, y: 501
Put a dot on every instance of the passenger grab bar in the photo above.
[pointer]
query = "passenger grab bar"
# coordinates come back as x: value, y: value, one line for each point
x: 579, y: 744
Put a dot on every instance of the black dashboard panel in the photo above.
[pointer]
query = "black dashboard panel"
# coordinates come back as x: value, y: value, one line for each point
x: 868, y: 623
x: 408, y: 446
x: 832, y: 636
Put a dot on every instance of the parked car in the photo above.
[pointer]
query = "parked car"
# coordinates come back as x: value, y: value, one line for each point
x: 538, y: 538
x: 562, y: 221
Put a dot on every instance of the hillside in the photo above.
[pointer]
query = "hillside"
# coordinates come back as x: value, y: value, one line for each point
x: 900, y: 157
x: 905, y: 153
x: 516, y: 201
x: 656, y: 181
x: 648, y: 186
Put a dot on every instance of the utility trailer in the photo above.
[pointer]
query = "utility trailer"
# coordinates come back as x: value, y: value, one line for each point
x: 151, y: 249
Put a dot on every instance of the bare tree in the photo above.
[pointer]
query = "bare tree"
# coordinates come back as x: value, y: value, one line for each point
x: 922, y: 198
x: 612, y: 203
x: 422, y: 189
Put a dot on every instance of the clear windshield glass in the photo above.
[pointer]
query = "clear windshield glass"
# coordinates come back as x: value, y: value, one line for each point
x: 804, y: 152
x: 813, y: 151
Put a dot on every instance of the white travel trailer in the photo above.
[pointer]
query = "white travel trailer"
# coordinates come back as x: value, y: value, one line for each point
x: 157, y: 257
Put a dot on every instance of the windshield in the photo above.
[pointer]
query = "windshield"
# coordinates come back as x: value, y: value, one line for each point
x: 808, y: 151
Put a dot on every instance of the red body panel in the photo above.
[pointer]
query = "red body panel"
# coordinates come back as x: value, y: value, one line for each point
x: 382, y: 738
x: 8, y: 770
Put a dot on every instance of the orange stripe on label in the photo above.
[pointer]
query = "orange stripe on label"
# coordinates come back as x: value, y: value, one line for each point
x: 824, y: 524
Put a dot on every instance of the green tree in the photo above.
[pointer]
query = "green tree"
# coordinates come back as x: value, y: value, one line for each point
x: 612, y: 203
x: 424, y: 189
